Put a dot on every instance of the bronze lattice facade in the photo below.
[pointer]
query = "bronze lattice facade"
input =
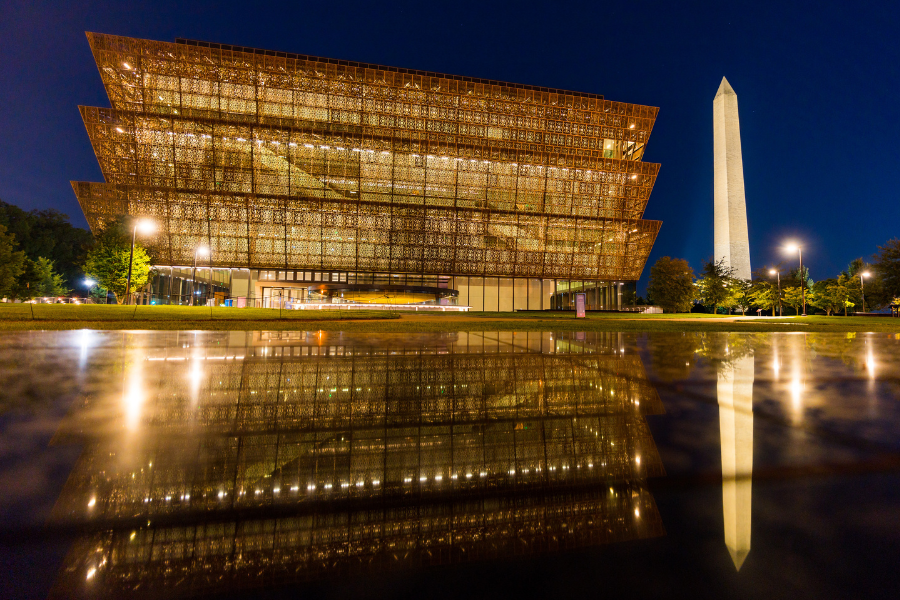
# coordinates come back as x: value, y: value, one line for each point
x: 282, y: 161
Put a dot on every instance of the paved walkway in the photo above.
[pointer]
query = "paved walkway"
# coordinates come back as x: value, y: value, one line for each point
x: 431, y: 317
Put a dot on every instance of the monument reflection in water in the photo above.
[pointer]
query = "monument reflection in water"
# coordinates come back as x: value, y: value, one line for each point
x: 734, y: 390
x: 245, y: 459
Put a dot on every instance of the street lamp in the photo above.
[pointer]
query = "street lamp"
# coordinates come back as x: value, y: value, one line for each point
x: 147, y: 227
x: 89, y: 283
x: 200, y: 251
x: 799, y: 250
x: 862, y: 288
x: 778, y: 274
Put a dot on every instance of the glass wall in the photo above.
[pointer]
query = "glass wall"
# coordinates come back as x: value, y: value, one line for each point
x: 284, y: 288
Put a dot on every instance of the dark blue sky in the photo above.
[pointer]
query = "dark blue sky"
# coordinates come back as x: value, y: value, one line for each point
x: 817, y: 86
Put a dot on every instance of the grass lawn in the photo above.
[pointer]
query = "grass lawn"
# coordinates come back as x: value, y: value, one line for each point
x: 87, y: 316
x: 101, y: 316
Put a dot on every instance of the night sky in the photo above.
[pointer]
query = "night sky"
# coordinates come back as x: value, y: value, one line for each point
x: 817, y: 89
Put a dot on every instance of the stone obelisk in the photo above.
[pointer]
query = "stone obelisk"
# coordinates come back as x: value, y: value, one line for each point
x: 735, y: 396
x: 731, y: 241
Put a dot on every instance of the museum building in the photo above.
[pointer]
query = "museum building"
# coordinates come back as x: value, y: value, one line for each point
x: 313, y: 180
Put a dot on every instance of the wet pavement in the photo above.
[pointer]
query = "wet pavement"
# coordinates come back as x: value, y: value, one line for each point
x: 534, y: 464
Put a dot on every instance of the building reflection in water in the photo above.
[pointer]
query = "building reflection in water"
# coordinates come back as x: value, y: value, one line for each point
x: 246, y: 459
x: 734, y: 391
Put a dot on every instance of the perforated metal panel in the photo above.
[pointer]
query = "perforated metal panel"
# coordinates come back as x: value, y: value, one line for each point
x: 277, y: 160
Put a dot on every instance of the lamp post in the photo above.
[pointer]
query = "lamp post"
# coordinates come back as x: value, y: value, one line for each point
x: 862, y: 288
x: 200, y: 251
x: 777, y: 274
x: 791, y: 248
x: 89, y: 283
x: 146, y: 226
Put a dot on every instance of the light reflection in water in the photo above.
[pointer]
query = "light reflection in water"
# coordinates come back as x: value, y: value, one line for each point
x: 776, y: 360
x: 196, y: 379
x: 870, y: 360
x: 86, y: 339
x: 436, y: 448
x: 796, y: 349
x: 274, y: 454
x: 735, y: 397
x: 133, y: 399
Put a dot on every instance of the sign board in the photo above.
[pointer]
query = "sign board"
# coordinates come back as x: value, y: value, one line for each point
x: 579, y: 305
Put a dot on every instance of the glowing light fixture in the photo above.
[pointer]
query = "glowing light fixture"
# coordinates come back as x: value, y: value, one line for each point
x: 794, y: 247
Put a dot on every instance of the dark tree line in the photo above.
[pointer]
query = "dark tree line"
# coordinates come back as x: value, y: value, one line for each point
x: 673, y: 286
x: 47, y: 234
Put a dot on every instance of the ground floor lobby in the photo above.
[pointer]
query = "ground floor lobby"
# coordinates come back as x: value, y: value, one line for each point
x: 291, y: 288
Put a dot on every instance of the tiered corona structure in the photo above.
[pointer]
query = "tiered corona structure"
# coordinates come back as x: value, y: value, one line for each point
x: 250, y: 458
x: 310, y: 172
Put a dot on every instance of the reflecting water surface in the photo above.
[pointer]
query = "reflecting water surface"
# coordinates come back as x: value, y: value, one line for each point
x: 180, y: 464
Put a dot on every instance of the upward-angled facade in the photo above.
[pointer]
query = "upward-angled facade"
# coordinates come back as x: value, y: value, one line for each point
x: 324, y: 180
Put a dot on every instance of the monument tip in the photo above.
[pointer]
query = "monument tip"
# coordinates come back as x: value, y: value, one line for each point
x: 725, y: 88
x: 738, y: 557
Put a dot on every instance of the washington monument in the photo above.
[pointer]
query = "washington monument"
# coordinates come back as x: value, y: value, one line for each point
x: 730, y: 241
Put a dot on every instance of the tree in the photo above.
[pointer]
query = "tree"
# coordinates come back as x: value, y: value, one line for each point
x: 50, y: 283
x: 713, y: 285
x: 629, y: 294
x: 832, y: 295
x: 107, y: 261
x: 26, y: 286
x: 38, y: 280
x: 793, y: 278
x: 793, y: 298
x: 828, y: 296
x: 790, y: 285
x: 764, y: 294
x: 48, y: 233
x: 886, y: 264
x: 738, y: 294
x: 12, y: 263
x: 848, y: 290
x: 671, y: 284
